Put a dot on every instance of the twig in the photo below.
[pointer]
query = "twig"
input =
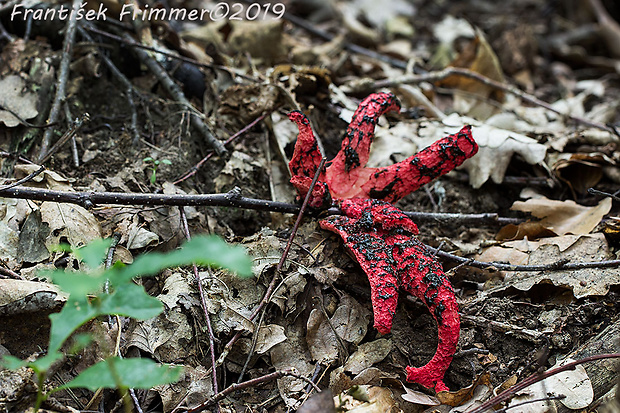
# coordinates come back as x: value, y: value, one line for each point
x: 605, y: 194
x: 509, y: 329
x: 233, y: 199
x: 555, y: 266
x: 203, y: 302
x: 267, y: 296
x: 9, y: 273
x: 250, y: 383
x: 196, y: 167
x: 535, y: 378
x: 129, y: 89
x: 175, y: 91
x: 459, y: 71
x: 505, y: 409
x: 15, y: 156
x: 61, y: 85
x: 69, y: 134
x: 24, y: 179
x: 229, y: 199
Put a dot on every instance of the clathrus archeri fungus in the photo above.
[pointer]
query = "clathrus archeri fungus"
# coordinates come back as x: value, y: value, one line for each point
x: 380, y: 236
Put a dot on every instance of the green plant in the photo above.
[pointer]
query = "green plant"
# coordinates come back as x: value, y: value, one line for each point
x: 154, y: 164
x: 87, y: 301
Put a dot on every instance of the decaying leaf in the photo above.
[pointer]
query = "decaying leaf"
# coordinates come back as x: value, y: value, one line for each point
x: 479, y: 57
x: 375, y: 399
x: 16, y: 98
x: 496, y: 147
x: 564, y: 217
x: 168, y: 336
x: 321, y: 339
x: 69, y: 223
x: 368, y: 354
x: 574, y: 248
x: 269, y: 336
x: 416, y: 397
x: 19, y: 296
x: 292, y: 352
x: 574, y: 384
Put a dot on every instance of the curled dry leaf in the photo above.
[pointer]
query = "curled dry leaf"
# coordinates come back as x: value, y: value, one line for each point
x: 478, y: 56
x: 564, y: 217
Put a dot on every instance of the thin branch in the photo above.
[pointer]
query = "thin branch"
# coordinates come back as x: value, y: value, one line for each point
x: 5, y: 272
x: 231, y: 71
x: 605, y: 194
x: 556, y: 266
x: 234, y: 199
x: 69, y: 134
x: 61, y: 84
x: 535, y: 378
x: 118, y: 75
x: 229, y: 199
x: 508, y: 329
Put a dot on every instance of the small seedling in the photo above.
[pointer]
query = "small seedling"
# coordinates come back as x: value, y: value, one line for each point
x: 86, y: 301
x: 154, y: 164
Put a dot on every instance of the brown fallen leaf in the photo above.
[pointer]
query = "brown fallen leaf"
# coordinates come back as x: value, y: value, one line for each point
x: 479, y: 57
x: 564, y: 217
x: 581, y: 171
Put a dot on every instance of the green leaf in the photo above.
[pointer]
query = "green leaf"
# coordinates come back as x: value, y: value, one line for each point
x: 203, y: 250
x: 148, y: 159
x: 77, y: 284
x: 94, y: 253
x: 131, y: 300
x: 166, y: 161
x: 76, y: 312
x: 135, y: 373
x: 12, y: 363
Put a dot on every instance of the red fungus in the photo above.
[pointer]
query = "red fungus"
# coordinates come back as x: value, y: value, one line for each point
x: 380, y: 236
x: 382, y: 240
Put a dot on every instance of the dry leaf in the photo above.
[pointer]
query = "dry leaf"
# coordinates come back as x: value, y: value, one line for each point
x: 581, y: 171
x: 574, y: 384
x: 497, y: 146
x: 574, y: 248
x: 417, y: 397
x: 15, y: 98
x: 380, y: 400
x: 322, y: 342
x: 19, y: 296
x: 269, y: 336
x: 564, y: 217
x: 368, y: 354
x: 479, y: 57
x: 69, y: 223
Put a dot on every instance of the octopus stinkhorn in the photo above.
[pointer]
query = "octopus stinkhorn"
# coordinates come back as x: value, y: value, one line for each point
x: 380, y: 236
